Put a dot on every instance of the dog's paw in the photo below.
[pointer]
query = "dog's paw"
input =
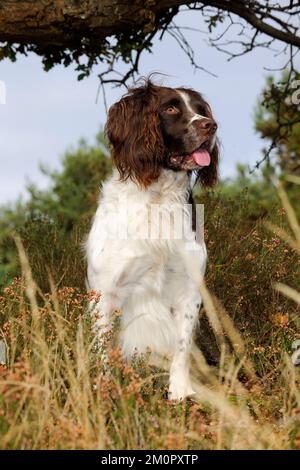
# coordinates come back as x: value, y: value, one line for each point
x: 179, y: 390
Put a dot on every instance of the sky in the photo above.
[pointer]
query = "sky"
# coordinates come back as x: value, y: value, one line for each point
x: 48, y: 112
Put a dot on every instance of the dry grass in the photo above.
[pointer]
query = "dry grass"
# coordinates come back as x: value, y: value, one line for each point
x: 55, y: 393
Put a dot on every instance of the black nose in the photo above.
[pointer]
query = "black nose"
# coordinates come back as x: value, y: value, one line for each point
x: 208, y: 125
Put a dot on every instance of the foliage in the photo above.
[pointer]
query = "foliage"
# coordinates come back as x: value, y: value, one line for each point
x: 88, y: 51
x: 278, y: 120
x: 80, y: 33
x: 256, y: 189
x: 11, y: 218
x: 74, y: 190
x: 56, y: 394
x: 57, y: 214
x: 245, y: 259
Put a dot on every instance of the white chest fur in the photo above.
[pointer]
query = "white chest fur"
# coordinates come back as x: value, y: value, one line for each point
x: 152, y: 279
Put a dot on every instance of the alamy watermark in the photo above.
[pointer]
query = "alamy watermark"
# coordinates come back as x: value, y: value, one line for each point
x: 140, y: 221
x: 294, y: 97
x: 2, y: 92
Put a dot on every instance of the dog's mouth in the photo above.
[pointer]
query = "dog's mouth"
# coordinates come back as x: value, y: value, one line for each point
x: 200, y: 157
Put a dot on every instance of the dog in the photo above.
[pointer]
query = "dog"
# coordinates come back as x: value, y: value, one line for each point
x: 162, y: 139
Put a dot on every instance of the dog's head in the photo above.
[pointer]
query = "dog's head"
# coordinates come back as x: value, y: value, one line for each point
x: 154, y: 127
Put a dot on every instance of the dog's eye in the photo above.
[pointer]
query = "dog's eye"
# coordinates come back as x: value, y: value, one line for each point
x: 171, y: 110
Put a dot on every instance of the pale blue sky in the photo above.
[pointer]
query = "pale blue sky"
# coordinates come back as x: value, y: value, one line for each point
x: 45, y: 113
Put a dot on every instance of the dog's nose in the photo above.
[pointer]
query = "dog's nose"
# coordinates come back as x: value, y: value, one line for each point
x: 208, y: 125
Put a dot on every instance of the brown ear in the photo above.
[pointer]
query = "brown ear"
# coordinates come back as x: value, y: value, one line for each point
x: 208, y: 176
x: 133, y: 130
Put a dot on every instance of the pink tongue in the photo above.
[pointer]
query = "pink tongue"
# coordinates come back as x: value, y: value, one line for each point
x: 201, y: 157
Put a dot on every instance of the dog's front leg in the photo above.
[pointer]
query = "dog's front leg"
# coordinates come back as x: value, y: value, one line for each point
x: 115, y: 287
x: 101, y: 313
x: 186, y: 318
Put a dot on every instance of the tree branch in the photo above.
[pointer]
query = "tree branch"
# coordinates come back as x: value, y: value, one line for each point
x: 245, y: 10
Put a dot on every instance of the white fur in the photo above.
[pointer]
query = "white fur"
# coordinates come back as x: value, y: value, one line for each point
x: 152, y: 281
x: 187, y: 101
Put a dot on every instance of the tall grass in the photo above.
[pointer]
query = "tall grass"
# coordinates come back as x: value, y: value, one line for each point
x: 56, y: 394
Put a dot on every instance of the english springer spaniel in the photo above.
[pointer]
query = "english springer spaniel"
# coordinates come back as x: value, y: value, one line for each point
x: 161, y: 140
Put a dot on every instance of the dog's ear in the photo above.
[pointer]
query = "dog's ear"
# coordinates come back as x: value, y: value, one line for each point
x: 133, y: 130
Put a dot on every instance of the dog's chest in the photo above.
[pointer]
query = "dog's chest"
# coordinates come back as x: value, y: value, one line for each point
x: 145, y: 214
